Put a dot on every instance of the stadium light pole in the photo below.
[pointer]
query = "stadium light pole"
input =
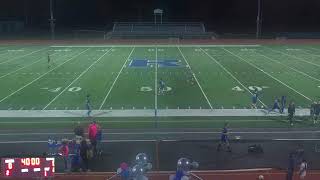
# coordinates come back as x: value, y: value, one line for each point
x: 259, y: 20
x: 51, y: 20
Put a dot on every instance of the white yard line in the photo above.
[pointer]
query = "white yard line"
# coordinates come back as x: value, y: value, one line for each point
x: 23, y: 67
x: 228, y: 72
x: 41, y: 76
x: 23, y: 55
x: 76, y: 79
x: 194, y: 76
x: 294, y: 69
x: 156, y: 84
x: 239, y: 57
x: 295, y: 57
x: 115, y: 80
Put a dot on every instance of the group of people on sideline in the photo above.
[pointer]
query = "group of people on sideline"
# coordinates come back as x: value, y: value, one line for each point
x: 78, y: 152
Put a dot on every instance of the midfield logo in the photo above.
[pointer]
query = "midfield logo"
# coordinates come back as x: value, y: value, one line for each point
x: 145, y: 63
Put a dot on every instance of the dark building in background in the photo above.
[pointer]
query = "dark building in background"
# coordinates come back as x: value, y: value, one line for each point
x: 218, y: 15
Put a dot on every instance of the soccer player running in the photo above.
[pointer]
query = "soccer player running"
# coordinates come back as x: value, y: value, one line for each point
x: 49, y: 61
x: 224, y: 140
x: 254, y: 98
x: 162, y: 86
x: 88, y: 106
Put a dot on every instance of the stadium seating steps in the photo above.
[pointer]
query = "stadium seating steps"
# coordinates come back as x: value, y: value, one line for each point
x: 181, y: 30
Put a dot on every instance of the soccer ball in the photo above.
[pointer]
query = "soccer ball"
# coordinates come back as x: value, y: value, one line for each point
x: 261, y: 177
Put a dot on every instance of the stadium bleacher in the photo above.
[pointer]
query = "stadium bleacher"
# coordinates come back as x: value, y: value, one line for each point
x: 182, y: 30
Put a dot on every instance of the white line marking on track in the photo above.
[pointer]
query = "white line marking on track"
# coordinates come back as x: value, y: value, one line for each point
x: 115, y: 80
x: 85, y: 71
x: 194, y: 75
x: 23, y: 55
x: 165, y: 133
x: 137, y: 140
x: 294, y: 69
x: 41, y: 76
x: 228, y: 72
x: 239, y: 57
x: 296, y: 139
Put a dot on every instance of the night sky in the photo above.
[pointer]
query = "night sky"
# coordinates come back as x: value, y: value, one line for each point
x: 226, y: 15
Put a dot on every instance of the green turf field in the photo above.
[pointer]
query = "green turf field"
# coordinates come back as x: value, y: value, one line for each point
x: 202, y: 77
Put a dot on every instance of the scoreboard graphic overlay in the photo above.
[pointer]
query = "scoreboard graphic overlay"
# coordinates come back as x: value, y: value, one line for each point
x: 28, y: 167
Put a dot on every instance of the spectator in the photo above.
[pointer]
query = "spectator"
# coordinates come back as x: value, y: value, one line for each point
x: 99, y: 139
x: 92, y: 131
x: 291, y: 112
x: 78, y: 130
x: 64, y: 152
x: 290, y: 167
x: 303, y: 169
x: 123, y: 171
x: 84, y: 155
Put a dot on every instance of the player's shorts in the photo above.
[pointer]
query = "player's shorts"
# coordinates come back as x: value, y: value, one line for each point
x: 224, y: 139
x: 254, y: 100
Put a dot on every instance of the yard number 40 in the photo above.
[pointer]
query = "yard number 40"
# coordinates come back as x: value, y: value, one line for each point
x: 58, y: 89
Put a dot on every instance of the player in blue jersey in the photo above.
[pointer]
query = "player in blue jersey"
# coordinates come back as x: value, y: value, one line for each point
x: 255, y: 98
x: 283, y: 103
x: 88, y: 105
x: 162, y: 86
x: 276, y: 105
x: 224, y: 138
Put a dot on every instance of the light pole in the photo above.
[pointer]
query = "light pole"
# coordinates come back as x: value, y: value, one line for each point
x: 259, y: 20
x: 52, y: 20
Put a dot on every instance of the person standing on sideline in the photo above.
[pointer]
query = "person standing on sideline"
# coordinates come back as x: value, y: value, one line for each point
x: 303, y: 169
x: 291, y: 112
x: 283, y: 103
x: 64, y: 152
x: 79, y: 131
x: 275, y: 106
x: 88, y: 105
x: 224, y: 139
x: 92, y: 131
x: 290, y: 167
x: 84, y: 155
